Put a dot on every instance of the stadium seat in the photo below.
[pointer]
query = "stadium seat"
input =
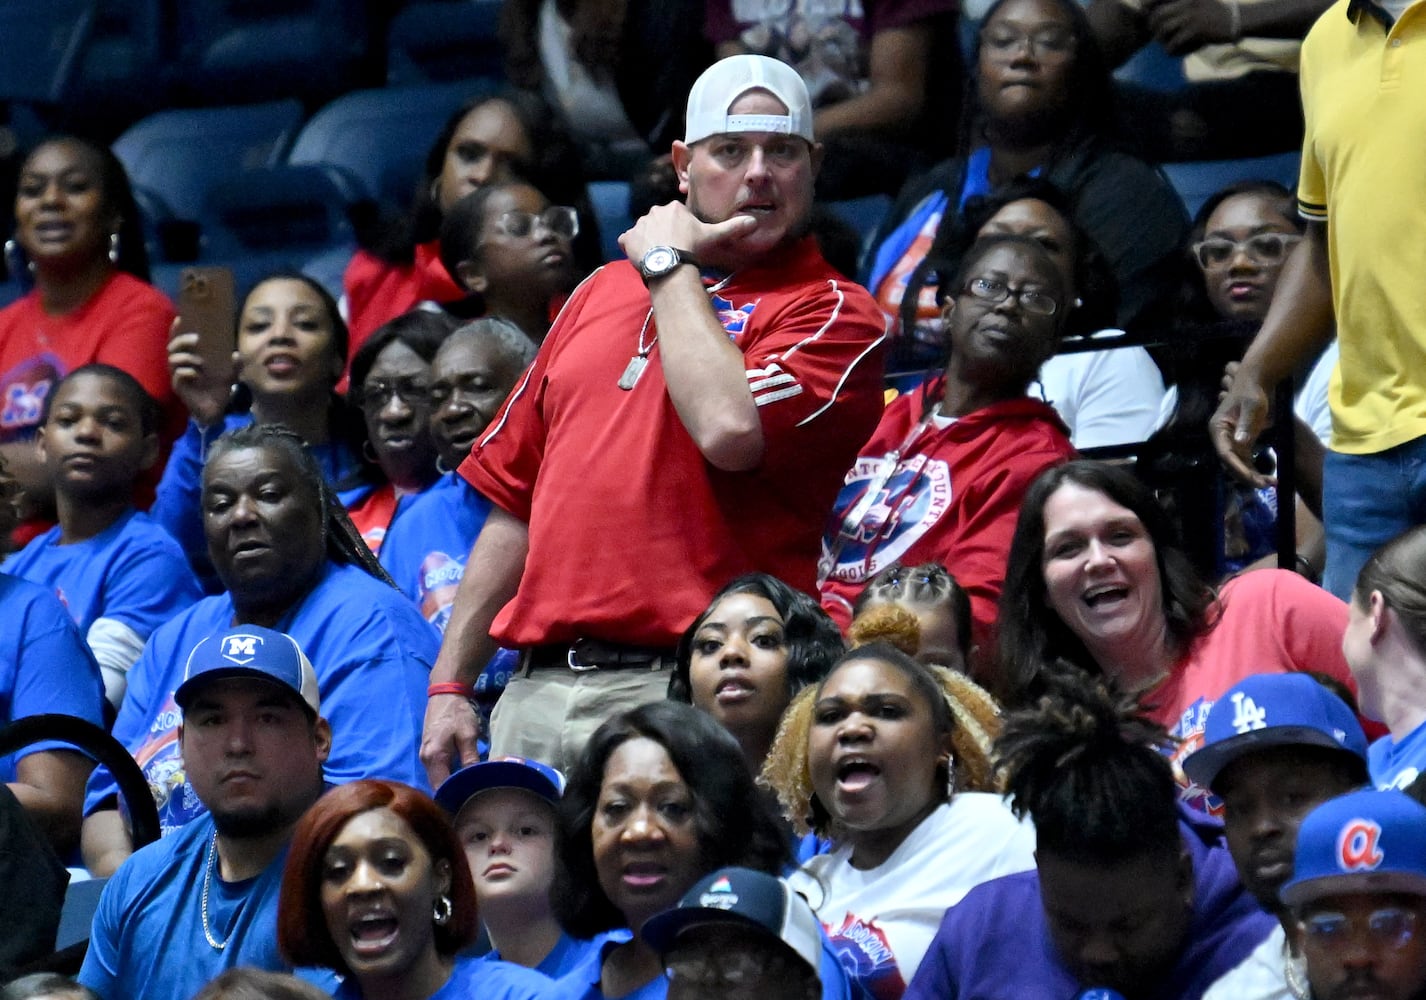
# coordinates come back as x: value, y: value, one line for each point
x: 237, y: 51
x: 42, y: 46
x: 864, y: 215
x: 123, y: 72
x: 440, y: 40
x: 610, y: 201
x: 1152, y: 68
x: 175, y: 157
x: 277, y: 218
x: 378, y: 138
x: 1196, y: 181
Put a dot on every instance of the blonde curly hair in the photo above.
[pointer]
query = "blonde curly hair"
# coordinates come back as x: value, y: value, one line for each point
x: 975, y: 717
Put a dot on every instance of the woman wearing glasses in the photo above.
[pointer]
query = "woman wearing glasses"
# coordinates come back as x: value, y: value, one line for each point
x: 1040, y: 105
x: 391, y: 383
x: 513, y: 251
x: 1240, y: 240
x: 942, y: 477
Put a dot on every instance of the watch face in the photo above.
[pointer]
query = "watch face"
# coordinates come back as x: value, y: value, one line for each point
x: 659, y: 260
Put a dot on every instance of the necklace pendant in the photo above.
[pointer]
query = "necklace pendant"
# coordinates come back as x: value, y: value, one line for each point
x: 633, y: 371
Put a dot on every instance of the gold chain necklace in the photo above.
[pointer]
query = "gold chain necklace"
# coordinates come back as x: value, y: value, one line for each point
x: 207, y: 880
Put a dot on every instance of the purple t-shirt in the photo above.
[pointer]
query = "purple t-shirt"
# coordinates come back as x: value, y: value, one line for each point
x: 995, y: 944
x: 828, y: 43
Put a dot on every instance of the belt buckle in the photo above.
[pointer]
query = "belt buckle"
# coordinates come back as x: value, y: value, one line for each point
x: 579, y: 668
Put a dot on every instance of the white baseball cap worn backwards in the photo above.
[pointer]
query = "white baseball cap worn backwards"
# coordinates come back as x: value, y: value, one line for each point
x: 728, y: 79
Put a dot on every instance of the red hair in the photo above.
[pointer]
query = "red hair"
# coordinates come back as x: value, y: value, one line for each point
x: 302, y: 932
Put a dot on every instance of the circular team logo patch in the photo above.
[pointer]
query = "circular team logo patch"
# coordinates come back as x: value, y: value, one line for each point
x: 909, y: 502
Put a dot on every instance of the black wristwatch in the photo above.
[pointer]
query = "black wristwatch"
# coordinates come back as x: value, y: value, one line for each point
x: 661, y: 260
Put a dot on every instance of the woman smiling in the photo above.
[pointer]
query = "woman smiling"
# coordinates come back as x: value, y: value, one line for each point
x: 1096, y: 580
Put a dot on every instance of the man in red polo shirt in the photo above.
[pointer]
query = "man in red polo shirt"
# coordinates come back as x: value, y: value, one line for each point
x: 689, y: 418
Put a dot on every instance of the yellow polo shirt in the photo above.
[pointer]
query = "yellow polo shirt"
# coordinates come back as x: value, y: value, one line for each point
x: 1364, y: 174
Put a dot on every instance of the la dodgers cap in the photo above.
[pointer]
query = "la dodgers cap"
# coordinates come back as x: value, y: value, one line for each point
x: 1362, y: 842
x: 742, y: 896
x: 721, y: 84
x: 1272, y: 710
x: 500, y: 772
x: 250, y: 651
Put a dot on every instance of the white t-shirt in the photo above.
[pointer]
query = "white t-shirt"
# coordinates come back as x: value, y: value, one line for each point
x: 1104, y: 397
x: 1309, y: 406
x: 881, y: 920
x: 1260, y: 976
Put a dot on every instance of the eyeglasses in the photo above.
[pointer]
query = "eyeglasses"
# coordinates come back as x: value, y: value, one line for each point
x: 468, y: 386
x: 995, y: 291
x: 731, y: 971
x: 376, y: 393
x: 558, y: 219
x: 1390, y: 927
x: 1264, y: 248
x: 1049, y: 42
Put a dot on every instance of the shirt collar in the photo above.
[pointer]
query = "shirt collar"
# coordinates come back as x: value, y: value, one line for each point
x: 1355, y: 8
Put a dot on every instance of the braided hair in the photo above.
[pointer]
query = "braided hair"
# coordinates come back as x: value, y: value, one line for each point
x: 1090, y: 771
x: 925, y: 585
x: 344, y: 543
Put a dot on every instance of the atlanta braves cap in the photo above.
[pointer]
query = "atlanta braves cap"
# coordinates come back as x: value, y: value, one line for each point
x: 250, y: 651
x: 1271, y: 710
x: 742, y: 896
x: 727, y: 80
x: 500, y: 772
x: 1362, y: 842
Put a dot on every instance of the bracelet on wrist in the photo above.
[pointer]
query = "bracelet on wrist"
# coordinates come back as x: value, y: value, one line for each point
x: 451, y: 687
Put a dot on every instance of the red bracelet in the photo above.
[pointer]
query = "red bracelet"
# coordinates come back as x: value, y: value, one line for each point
x: 451, y: 687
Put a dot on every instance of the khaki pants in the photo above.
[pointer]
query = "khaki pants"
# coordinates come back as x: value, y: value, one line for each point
x: 549, y: 714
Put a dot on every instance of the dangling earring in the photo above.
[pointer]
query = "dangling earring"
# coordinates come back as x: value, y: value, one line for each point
x: 442, y: 910
x: 950, y: 777
x: 369, y: 453
x: 441, y: 465
x: 14, y: 257
x: 113, y: 248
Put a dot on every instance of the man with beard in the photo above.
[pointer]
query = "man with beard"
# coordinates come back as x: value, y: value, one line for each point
x: 1359, y: 892
x: 1275, y: 747
x: 182, y: 910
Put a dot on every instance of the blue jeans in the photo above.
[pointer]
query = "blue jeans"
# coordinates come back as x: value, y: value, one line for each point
x: 1367, y: 500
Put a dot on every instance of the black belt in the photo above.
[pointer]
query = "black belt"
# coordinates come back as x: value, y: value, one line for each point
x: 596, y: 654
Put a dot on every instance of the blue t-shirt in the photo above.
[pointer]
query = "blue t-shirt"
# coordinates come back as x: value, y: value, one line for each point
x: 372, y: 653
x: 477, y: 979
x: 177, y: 503
x: 995, y: 943
x: 1396, y: 764
x: 147, y: 938
x: 582, y: 981
x: 425, y: 549
x: 45, y: 667
x: 132, y: 572
x: 567, y: 954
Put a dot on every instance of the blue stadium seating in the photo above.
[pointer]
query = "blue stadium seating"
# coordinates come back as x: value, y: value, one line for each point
x: 175, y: 157
x: 378, y: 138
x: 42, y: 46
x: 440, y: 40
x: 610, y: 201
x: 1152, y: 68
x: 277, y: 218
x: 1196, y: 181
x: 239, y: 51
